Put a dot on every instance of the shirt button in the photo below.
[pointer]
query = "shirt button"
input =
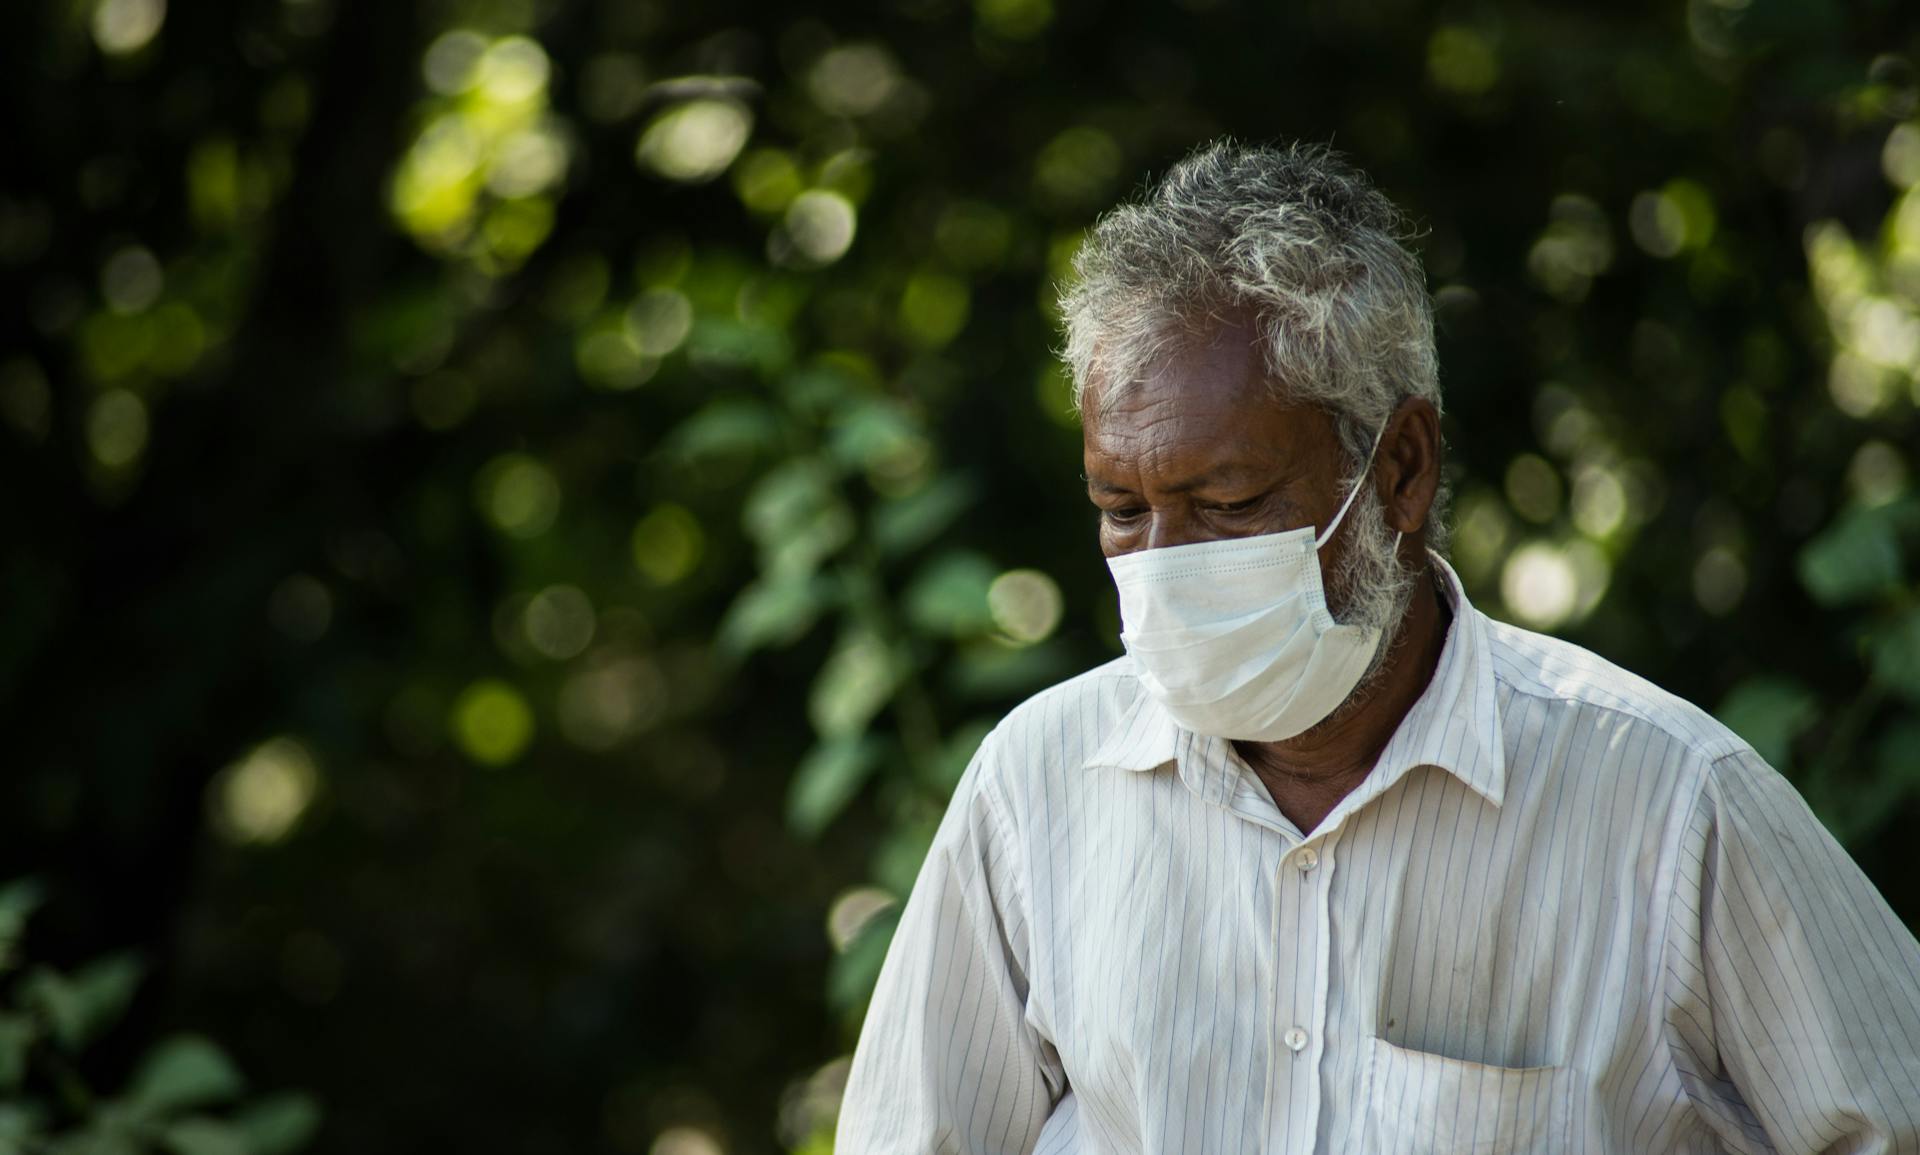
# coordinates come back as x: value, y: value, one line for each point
x: 1295, y: 1039
x: 1306, y: 859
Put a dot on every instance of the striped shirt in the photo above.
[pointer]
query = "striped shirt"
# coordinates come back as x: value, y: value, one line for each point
x: 1566, y: 912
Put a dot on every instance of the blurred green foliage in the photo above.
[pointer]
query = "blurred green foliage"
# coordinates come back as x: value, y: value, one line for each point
x: 521, y: 509
x: 48, y: 1108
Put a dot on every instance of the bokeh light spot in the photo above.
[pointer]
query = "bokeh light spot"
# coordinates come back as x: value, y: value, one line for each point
x: 1462, y: 60
x: 767, y: 180
x: 1077, y: 167
x: 449, y: 63
x: 123, y: 27
x: 260, y: 798
x: 513, y: 70
x: 1900, y: 156
x: 1599, y: 501
x: 659, y: 321
x: 853, y: 80
x: 820, y: 224
x: 602, y: 706
x: 1014, y: 19
x: 1877, y: 474
x: 301, y: 607
x: 667, y: 544
x: 1719, y: 580
x: 559, y: 622
x: 1533, y: 488
x: 1025, y: 604
x: 853, y: 910
x: 696, y: 141
x: 1539, y: 585
x: 492, y: 722
x: 934, y: 308
x: 519, y: 495
x: 686, y: 1141
x: 117, y: 428
x: 131, y: 280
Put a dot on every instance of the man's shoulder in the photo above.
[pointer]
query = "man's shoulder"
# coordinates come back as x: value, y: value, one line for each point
x: 1565, y: 676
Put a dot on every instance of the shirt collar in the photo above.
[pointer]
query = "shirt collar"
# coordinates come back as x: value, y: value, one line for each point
x: 1454, y: 724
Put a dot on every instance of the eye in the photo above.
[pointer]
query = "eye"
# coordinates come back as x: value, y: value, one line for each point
x: 1235, y: 506
x: 1123, y: 516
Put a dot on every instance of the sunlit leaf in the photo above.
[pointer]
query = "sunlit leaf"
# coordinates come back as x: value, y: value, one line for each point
x: 827, y: 779
x: 796, y: 515
x: 856, y: 682
x: 183, y: 1072
x: 775, y: 611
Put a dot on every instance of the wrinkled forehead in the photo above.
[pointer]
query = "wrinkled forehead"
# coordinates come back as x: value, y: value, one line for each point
x: 1209, y: 351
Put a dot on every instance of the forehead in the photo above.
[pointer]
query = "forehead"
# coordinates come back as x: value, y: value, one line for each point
x: 1208, y: 398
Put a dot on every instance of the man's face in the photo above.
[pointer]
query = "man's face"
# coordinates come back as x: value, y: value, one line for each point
x: 1199, y: 450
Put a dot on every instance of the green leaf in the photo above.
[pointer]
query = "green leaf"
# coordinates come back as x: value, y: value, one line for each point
x: 1770, y: 712
x: 827, y: 779
x: 949, y: 594
x: 1896, y: 655
x: 17, y: 1033
x: 851, y: 975
x: 181, y: 1072
x: 857, y: 681
x: 18, y: 900
x: 20, y: 1123
x: 869, y: 433
x: 775, y: 611
x: 730, y: 426
x: 796, y: 516
x: 904, y: 524
x: 200, y: 1135
x: 1852, y: 559
x: 279, y: 1124
x: 79, y: 1007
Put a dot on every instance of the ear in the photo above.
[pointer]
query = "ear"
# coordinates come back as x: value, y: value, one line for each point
x: 1408, y: 474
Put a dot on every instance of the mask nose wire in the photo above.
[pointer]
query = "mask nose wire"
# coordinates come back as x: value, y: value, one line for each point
x: 1353, y: 493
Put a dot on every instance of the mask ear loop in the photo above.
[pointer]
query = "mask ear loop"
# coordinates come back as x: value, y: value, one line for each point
x: 1353, y: 493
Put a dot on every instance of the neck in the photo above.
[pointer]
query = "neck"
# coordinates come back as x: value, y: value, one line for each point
x: 1310, y: 773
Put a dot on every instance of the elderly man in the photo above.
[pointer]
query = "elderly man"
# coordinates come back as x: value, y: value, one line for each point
x: 1331, y: 861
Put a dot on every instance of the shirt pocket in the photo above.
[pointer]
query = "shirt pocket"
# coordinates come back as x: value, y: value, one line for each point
x: 1422, y: 1104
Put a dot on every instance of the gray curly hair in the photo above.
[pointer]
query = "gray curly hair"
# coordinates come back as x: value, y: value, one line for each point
x: 1296, y: 238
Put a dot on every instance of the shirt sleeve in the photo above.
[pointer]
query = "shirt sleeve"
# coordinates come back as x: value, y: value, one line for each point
x: 1793, y: 992
x: 947, y: 1061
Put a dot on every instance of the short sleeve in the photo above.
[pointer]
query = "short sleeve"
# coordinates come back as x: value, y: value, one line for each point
x: 947, y: 1061
x: 1793, y: 992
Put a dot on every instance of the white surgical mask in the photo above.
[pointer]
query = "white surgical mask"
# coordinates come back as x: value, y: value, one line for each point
x: 1234, y: 637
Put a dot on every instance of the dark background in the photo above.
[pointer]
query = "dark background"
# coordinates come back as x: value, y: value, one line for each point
x: 488, y: 567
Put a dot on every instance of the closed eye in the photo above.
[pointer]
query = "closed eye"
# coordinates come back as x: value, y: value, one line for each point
x: 1235, y: 506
